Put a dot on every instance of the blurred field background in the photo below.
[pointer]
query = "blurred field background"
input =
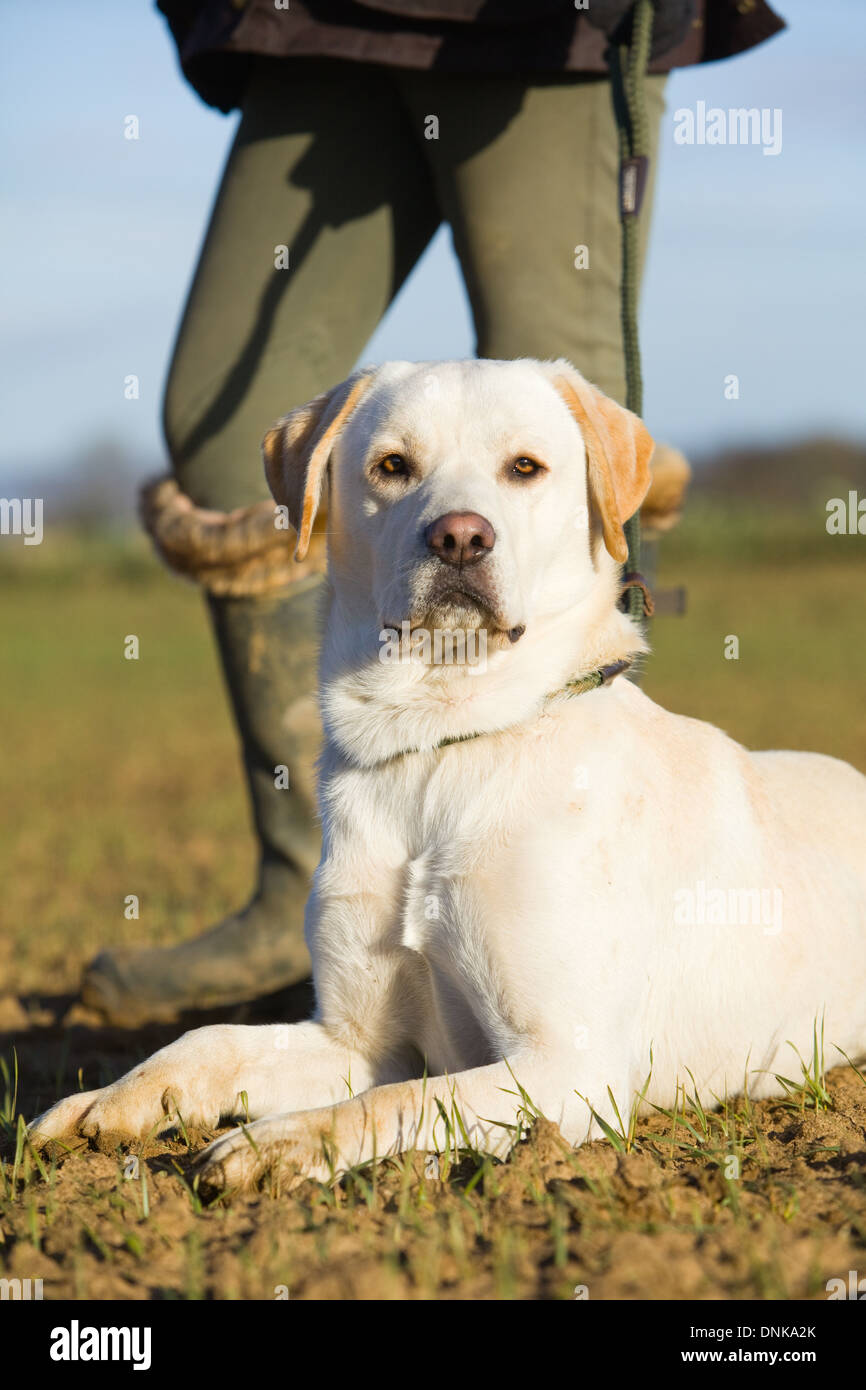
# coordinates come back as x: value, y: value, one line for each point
x: 123, y: 777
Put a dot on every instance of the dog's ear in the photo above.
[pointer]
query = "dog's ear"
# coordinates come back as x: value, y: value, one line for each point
x: 618, y: 451
x: 297, y: 449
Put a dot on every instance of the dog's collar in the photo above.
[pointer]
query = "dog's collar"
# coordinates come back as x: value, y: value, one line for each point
x: 579, y: 686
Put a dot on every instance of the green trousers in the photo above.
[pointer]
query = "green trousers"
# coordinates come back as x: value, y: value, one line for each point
x: 347, y: 171
x: 353, y: 169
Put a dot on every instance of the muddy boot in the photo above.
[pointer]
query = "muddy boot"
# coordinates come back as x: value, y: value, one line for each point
x: 268, y: 648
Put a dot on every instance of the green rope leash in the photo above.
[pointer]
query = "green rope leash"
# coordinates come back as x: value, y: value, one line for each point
x: 629, y: 64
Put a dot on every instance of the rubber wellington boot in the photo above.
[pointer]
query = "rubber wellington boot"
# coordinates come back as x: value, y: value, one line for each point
x: 268, y: 647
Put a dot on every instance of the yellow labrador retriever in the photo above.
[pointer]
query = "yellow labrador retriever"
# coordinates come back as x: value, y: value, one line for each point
x: 531, y: 874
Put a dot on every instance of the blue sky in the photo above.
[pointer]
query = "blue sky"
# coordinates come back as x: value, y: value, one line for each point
x: 755, y: 264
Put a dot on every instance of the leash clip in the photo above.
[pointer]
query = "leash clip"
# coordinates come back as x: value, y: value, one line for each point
x: 635, y: 580
x: 632, y: 182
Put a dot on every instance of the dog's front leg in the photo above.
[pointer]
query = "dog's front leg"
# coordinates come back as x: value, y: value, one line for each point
x: 484, y: 1107
x: 213, y: 1073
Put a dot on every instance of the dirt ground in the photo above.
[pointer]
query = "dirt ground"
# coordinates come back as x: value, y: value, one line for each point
x: 125, y: 780
x: 763, y: 1200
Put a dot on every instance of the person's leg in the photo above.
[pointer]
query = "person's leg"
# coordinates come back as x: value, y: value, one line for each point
x: 323, y: 163
x: 527, y: 173
x: 523, y: 202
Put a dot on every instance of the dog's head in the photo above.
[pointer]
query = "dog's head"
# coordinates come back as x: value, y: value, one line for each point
x: 473, y: 494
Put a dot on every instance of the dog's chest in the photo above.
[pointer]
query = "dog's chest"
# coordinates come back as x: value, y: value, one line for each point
x: 440, y: 825
x: 428, y: 848
x: 444, y: 929
x: 437, y: 900
x: 443, y: 924
x: 420, y: 905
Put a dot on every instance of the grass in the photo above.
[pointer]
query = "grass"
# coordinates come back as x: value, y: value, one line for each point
x: 125, y: 780
x: 623, y: 1138
x: 810, y: 1092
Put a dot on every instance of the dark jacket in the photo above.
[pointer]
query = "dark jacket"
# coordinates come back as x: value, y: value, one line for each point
x: 216, y: 39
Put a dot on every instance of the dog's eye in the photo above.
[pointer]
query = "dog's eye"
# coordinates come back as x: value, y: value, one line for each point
x: 394, y: 465
x: 525, y: 468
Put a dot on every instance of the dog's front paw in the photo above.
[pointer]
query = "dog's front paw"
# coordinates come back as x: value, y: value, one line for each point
x: 150, y: 1099
x: 122, y: 1111
x: 285, y: 1147
x: 62, y: 1123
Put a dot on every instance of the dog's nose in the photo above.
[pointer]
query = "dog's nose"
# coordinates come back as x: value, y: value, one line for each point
x: 460, y: 538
